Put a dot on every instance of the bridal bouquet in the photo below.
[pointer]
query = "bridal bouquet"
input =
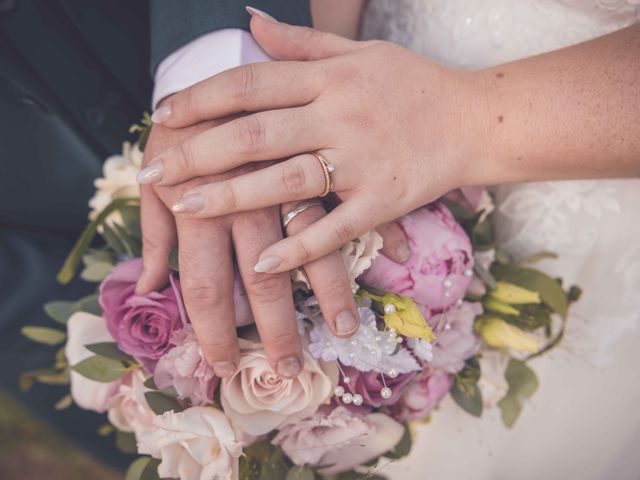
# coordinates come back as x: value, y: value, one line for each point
x: 458, y: 318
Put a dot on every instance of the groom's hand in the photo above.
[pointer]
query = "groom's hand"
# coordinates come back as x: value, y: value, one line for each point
x: 206, y: 269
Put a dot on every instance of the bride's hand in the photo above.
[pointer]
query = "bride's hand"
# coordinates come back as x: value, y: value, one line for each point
x: 399, y: 129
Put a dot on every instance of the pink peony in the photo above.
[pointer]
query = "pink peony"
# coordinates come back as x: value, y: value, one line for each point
x: 422, y: 396
x: 185, y: 369
x: 440, y: 267
x: 142, y: 326
x: 369, y: 384
x: 338, y: 439
x: 455, y: 338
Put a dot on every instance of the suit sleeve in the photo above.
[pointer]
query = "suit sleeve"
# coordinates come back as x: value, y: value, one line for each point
x: 176, y: 23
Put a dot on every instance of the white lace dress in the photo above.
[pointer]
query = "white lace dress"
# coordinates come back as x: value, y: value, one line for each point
x: 584, y: 422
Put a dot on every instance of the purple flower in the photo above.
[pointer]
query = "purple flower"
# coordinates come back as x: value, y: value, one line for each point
x: 455, y: 339
x: 369, y: 384
x: 422, y: 395
x: 142, y: 326
x: 440, y: 267
x: 185, y: 369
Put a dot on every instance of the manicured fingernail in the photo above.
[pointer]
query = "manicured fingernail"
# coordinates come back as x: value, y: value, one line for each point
x: 189, y: 204
x: 288, y: 367
x: 267, y: 264
x: 403, y: 252
x: 254, y: 11
x: 345, y: 323
x: 161, y: 114
x: 224, y: 369
x: 152, y: 173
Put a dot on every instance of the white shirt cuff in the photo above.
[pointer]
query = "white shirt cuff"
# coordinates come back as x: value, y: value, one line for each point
x: 204, y: 57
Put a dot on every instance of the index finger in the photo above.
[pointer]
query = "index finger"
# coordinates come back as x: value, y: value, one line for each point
x: 248, y: 88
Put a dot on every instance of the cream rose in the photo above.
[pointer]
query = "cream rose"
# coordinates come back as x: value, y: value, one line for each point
x: 197, y: 444
x: 128, y: 409
x: 85, y: 329
x: 492, y: 383
x: 258, y: 401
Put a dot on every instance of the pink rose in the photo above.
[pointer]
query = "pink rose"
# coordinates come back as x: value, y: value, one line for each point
x: 257, y: 400
x: 455, y: 338
x: 185, y: 369
x: 142, y: 326
x: 338, y: 439
x: 440, y: 267
x: 422, y: 396
x: 369, y: 384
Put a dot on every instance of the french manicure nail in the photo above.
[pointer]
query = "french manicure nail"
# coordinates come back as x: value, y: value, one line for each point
x: 224, y: 368
x: 288, y: 367
x: 267, y: 264
x: 254, y: 11
x: 189, y: 204
x: 403, y: 252
x: 151, y: 174
x: 161, y: 114
x: 345, y: 323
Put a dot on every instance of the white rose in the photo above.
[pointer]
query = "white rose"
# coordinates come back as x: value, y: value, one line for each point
x: 85, y: 329
x: 197, y: 444
x: 119, y: 181
x: 357, y: 256
x: 257, y: 400
x: 492, y: 384
x: 128, y: 409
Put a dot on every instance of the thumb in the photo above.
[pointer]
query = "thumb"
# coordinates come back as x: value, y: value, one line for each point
x: 286, y: 42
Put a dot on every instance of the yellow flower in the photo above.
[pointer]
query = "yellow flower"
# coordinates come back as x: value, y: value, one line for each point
x: 497, y: 306
x: 499, y: 334
x: 513, y: 294
x: 402, y: 314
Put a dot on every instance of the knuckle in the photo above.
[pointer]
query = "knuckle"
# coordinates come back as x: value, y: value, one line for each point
x: 282, y: 340
x: 335, y: 289
x: 266, y: 288
x: 186, y: 155
x: 293, y: 177
x: 244, y: 83
x: 302, y: 250
x: 227, y: 197
x: 249, y: 134
x: 342, y: 230
x: 152, y: 246
x: 203, y: 291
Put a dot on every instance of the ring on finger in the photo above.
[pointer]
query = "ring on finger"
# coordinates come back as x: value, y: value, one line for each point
x: 298, y: 209
x: 327, y: 169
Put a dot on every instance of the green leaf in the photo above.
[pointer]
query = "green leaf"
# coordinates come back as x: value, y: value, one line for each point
x: 549, y: 289
x: 522, y: 383
x: 403, y: 447
x: 64, y: 403
x: 45, y: 335
x: 131, y: 243
x: 150, y: 383
x: 48, y: 376
x: 114, y: 241
x: 131, y: 219
x: 66, y: 273
x: 467, y: 397
x: 96, y: 272
x: 173, y: 260
x: 537, y: 257
x: 89, y: 304
x: 161, y: 403
x: 126, y: 443
x: 134, y: 472
x: 356, y: 476
x: 274, y: 466
x: 150, y: 471
x: 109, y: 350
x: 101, y: 369
x: 300, y: 473
x: 105, y: 430
x: 60, y: 311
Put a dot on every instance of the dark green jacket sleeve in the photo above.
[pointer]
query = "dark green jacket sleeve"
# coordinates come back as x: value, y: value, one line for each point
x: 175, y: 23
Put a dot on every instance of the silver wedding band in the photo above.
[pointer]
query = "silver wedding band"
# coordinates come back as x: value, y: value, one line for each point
x: 298, y: 209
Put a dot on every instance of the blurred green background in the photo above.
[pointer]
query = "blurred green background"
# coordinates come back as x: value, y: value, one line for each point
x: 31, y: 450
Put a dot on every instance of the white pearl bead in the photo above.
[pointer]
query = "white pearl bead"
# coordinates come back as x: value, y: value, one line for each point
x: 378, y: 338
x: 339, y: 391
x: 357, y: 399
x: 347, y: 398
x: 468, y: 272
x: 346, y: 380
x: 399, y: 339
x: 447, y: 327
x: 393, y: 373
x: 386, y: 393
x: 447, y: 294
x: 447, y: 283
x: 459, y: 302
x: 352, y: 355
x: 389, y: 308
x: 354, y: 343
x: 373, y: 352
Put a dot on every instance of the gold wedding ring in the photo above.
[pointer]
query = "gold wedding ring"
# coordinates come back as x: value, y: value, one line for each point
x: 327, y: 169
x: 298, y: 209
